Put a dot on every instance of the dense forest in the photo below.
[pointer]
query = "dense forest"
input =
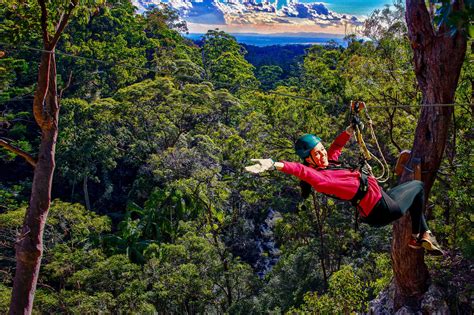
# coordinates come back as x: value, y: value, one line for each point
x: 151, y: 208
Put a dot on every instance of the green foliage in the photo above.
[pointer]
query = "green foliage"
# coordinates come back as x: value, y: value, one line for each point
x: 163, y: 211
x: 9, y: 67
x: 5, y: 296
x: 92, y: 281
x: 22, y: 17
x: 113, y: 274
x: 12, y: 219
x: 224, y: 61
x: 346, y: 295
x: 195, y: 273
x: 46, y: 301
x: 383, y: 273
x: 128, y: 240
x: 269, y: 76
x: 455, y: 21
x: 296, y: 273
x: 88, y: 133
x: 164, y: 19
x: 67, y: 223
x: 114, y: 35
x: 64, y: 261
x: 80, y: 302
x: 347, y: 289
x: 321, y: 70
x: 453, y: 211
x: 9, y: 197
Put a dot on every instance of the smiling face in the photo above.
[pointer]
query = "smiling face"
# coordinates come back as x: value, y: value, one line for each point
x: 318, y: 156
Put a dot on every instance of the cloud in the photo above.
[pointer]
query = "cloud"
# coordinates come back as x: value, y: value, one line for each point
x: 234, y: 15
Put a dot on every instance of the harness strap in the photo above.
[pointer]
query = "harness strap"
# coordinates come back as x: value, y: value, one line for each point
x: 362, y: 190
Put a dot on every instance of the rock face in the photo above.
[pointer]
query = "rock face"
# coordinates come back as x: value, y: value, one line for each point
x: 383, y: 303
x: 432, y: 303
x: 451, y: 290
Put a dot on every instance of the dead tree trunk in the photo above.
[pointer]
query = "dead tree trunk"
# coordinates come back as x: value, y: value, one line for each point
x: 438, y: 57
x: 29, y: 244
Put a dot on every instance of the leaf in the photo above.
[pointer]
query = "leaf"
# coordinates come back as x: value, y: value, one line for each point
x: 220, y: 216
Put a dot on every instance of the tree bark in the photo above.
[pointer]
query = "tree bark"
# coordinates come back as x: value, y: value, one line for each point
x: 29, y: 244
x: 438, y: 57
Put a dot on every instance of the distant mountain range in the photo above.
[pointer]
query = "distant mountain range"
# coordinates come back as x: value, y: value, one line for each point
x: 281, y: 38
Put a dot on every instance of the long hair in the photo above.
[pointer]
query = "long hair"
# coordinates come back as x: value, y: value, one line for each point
x: 305, y: 186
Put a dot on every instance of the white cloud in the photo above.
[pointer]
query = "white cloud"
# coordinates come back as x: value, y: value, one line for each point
x: 239, y: 15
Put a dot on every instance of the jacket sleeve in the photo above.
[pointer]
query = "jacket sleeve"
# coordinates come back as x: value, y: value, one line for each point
x: 306, y: 173
x: 338, y: 144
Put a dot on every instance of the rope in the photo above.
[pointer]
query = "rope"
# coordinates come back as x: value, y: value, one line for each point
x: 320, y: 101
x: 366, y: 154
x: 385, y: 167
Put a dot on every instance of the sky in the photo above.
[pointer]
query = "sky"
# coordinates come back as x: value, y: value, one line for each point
x: 356, y: 7
x: 335, y: 17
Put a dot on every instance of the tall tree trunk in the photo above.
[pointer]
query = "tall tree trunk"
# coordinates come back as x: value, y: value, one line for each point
x: 86, y: 193
x: 438, y: 57
x: 29, y: 245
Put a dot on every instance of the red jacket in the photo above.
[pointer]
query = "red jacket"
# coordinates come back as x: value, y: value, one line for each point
x: 342, y: 183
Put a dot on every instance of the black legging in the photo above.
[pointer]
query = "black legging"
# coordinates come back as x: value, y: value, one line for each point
x: 396, y: 202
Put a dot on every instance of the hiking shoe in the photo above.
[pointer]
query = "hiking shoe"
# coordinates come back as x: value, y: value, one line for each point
x: 414, y: 243
x: 428, y: 241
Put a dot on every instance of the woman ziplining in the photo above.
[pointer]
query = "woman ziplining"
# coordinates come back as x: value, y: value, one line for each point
x: 322, y: 171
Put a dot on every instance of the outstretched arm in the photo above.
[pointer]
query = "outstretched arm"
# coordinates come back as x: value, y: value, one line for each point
x: 305, y: 173
x: 338, y: 144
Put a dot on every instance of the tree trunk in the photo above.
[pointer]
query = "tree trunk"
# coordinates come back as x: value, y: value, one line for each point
x: 319, y: 222
x: 86, y: 193
x: 438, y: 57
x: 29, y: 244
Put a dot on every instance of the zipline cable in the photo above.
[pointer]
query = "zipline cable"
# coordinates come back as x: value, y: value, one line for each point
x: 320, y: 101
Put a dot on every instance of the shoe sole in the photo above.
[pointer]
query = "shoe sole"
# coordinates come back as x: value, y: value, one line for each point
x: 431, y: 249
x: 415, y: 247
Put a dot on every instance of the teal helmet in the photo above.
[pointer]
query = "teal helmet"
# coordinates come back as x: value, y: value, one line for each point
x: 305, y: 144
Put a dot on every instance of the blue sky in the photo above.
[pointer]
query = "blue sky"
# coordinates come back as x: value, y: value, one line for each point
x: 357, y: 7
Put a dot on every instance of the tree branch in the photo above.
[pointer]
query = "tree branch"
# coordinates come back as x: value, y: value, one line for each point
x: 66, y: 86
x: 62, y: 23
x: 44, y: 22
x: 420, y: 29
x: 18, y: 151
